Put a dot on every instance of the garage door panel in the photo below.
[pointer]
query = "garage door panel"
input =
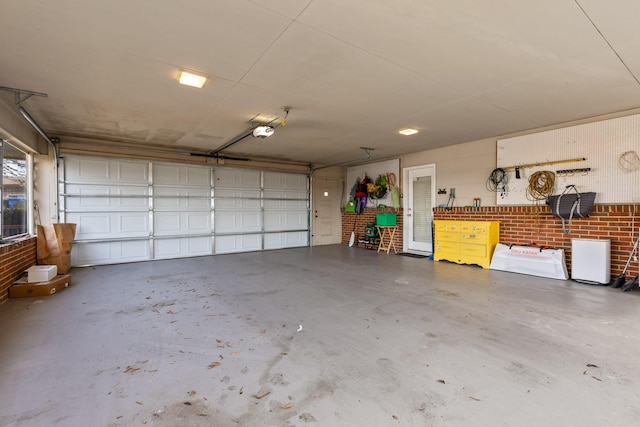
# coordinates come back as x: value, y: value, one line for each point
x: 182, y: 247
x: 285, y: 220
x: 166, y: 198
x: 109, y: 252
x: 285, y: 240
x: 237, y: 178
x: 94, y: 197
x: 238, y: 243
x: 87, y: 170
x: 107, y: 171
x: 123, y: 214
x: 131, y: 172
x: 133, y: 224
x: 170, y: 223
x: 285, y: 205
x: 284, y: 181
x: 275, y: 194
x: 239, y: 222
x: 167, y: 174
x: 227, y: 199
x: 113, y: 225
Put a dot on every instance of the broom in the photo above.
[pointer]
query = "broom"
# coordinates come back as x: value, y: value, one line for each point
x: 620, y: 280
x: 630, y: 284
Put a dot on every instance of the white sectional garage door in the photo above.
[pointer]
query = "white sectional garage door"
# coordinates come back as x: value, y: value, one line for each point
x: 133, y: 210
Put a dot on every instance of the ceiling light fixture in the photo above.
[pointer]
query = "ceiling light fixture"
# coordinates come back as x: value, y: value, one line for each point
x: 190, y: 79
x: 408, y: 131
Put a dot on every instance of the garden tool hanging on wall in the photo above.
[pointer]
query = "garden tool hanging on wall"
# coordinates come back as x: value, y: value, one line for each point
x: 395, y: 193
x: 361, y: 194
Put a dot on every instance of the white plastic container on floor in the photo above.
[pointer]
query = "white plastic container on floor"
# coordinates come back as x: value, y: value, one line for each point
x: 41, y: 273
x: 591, y: 260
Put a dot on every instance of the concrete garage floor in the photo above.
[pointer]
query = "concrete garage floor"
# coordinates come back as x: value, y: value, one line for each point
x: 328, y: 336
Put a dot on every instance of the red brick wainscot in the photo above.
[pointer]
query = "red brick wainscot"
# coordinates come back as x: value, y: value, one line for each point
x: 535, y: 225
x: 369, y: 214
x: 15, y: 258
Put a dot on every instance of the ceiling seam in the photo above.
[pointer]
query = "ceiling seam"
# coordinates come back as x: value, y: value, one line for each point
x: 293, y: 20
x: 404, y: 67
x: 607, y: 41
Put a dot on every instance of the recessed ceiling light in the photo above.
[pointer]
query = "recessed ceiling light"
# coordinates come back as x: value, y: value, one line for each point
x: 189, y: 79
x: 408, y: 131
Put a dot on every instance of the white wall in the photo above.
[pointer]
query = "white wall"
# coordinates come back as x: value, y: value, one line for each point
x: 373, y: 170
x: 464, y: 167
x: 467, y: 166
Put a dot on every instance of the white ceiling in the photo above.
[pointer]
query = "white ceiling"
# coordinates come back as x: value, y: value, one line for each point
x: 354, y: 72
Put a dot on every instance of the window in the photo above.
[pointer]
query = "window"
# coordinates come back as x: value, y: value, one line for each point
x: 13, y: 191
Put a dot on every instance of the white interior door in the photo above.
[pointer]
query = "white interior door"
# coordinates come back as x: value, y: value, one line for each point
x: 419, y: 184
x: 327, y: 226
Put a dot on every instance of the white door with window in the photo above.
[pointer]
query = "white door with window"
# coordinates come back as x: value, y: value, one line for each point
x: 419, y: 200
x: 327, y: 228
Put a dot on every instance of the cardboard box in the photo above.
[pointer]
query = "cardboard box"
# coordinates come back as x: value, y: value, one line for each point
x: 23, y: 288
x: 54, y: 243
x: 41, y: 273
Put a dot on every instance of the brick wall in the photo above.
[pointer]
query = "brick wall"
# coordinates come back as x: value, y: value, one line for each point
x: 369, y: 214
x: 15, y: 258
x: 525, y: 225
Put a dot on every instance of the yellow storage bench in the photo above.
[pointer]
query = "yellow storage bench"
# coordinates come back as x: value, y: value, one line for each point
x: 466, y: 242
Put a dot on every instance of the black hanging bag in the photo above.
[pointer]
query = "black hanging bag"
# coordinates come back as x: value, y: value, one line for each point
x: 570, y: 204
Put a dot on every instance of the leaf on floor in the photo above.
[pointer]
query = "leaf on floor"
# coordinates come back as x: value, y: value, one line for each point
x: 596, y: 378
x: 191, y: 393
x: 213, y: 365
x: 131, y: 369
x: 474, y: 398
x: 288, y: 406
x: 139, y: 403
x: 260, y: 396
x: 589, y: 365
x: 442, y: 381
